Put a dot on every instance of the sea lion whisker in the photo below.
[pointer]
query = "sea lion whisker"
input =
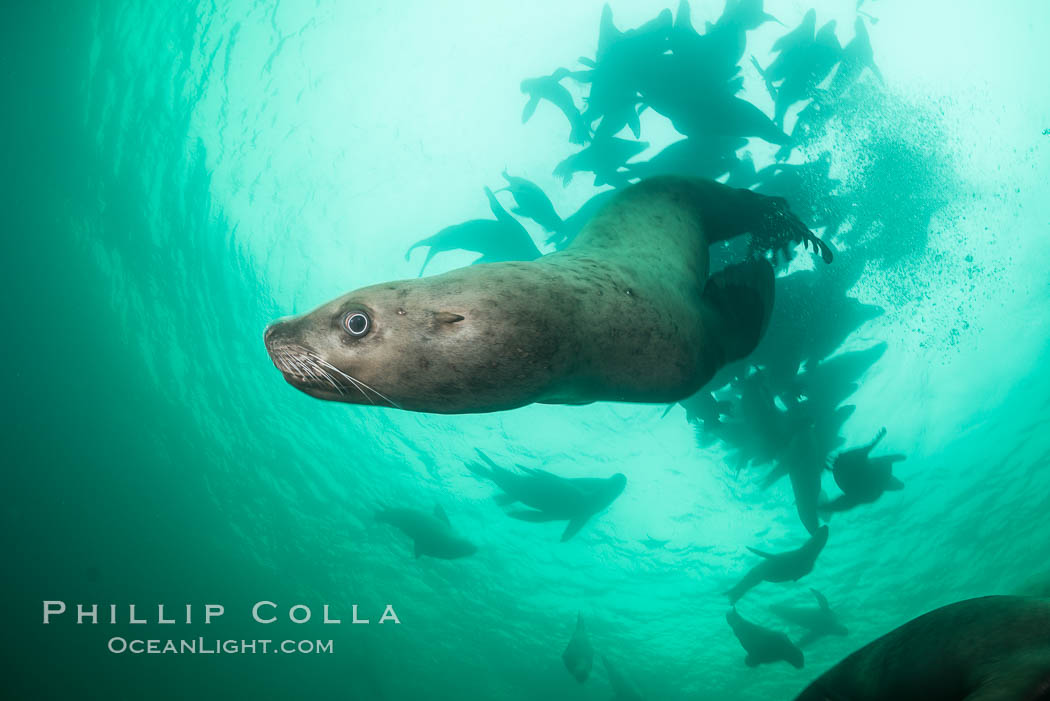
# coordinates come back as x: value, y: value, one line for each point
x: 386, y: 398
x: 306, y: 371
x: 352, y: 380
x: 324, y: 375
x: 356, y: 383
x: 365, y: 385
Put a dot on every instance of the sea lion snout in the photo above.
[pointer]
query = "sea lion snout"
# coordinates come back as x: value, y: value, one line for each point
x: 279, y: 333
x: 298, y: 362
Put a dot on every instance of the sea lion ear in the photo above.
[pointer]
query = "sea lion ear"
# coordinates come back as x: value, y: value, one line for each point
x: 447, y: 317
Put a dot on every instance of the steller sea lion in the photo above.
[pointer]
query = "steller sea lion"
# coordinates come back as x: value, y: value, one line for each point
x: 432, y: 535
x: 627, y: 312
x: 996, y: 648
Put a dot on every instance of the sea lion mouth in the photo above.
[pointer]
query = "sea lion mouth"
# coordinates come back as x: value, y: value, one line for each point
x: 312, y: 374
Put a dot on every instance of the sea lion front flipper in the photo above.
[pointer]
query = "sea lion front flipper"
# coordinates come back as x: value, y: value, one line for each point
x: 491, y: 463
x: 573, y: 528
x: 440, y: 514
x: 893, y: 484
x: 532, y: 516
x: 530, y: 107
x: 761, y: 553
x: 739, y: 304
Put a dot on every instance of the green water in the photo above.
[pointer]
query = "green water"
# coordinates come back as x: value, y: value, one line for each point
x: 178, y: 175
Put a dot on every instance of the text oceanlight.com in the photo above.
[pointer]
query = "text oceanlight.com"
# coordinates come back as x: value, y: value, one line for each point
x: 203, y: 646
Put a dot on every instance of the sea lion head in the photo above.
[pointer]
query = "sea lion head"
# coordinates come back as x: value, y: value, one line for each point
x: 450, y: 343
x: 613, y: 487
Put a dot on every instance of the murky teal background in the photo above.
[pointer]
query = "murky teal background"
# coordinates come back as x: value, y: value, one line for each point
x: 176, y: 175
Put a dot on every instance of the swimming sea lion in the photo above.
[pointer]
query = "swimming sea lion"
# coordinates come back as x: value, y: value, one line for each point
x: 819, y: 621
x: 626, y: 313
x: 579, y: 655
x: 432, y: 534
x: 782, y: 567
x: 550, y: 88
x: 623, y: 688
x: 862, y: 478
x: 763, y: 645
x: 551, y: 498
x: 499, y: 239
x: 996, y: 648
x: 532, y: 202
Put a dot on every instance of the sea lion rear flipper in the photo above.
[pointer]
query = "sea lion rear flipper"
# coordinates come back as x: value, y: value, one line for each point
x: 573, y: 528
x: 894, y: 485
x: 504, y: 499
x: 739, y: 304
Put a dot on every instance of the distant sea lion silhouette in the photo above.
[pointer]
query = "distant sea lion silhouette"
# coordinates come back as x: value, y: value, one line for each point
x: 763, y: 645
x: 499, y: 239
x: 996, y: 648
x: 862, y: 478
x: 579, y: 655
x: 432, y: 534
x: 549, y: 88
x: 623, y: 689
x: 627, y: 312
x: 532, y: 202
x: 604, y: 157
x: 790, y: 566
x: 819, y: 621
x: 551, y: 497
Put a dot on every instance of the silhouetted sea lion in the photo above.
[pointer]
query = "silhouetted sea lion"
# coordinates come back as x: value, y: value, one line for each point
x: 782, y: 567
x: 432, y: 534
x: 862, y: 478
x: 579, y: 655
x: 501, y: 239
x: 550, y: 88
x: 996, y: 648
x: 551, y: 498
x: 763, y: 645
x: 819, y: 621
x: 532, y: 202
x: 626, y: 313
x: 623, y: 689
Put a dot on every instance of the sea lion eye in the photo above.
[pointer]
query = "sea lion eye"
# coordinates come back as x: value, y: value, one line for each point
x: 357, y: 324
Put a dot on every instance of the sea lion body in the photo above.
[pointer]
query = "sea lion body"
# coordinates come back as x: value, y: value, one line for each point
x: 550, y: 497
x: 432, y: 534
x: 620, y: 315
x: 789, y: 566
x: 579, y: 655
x: 764, y: 645
x: 819, y: 621
x: 989, y: 649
